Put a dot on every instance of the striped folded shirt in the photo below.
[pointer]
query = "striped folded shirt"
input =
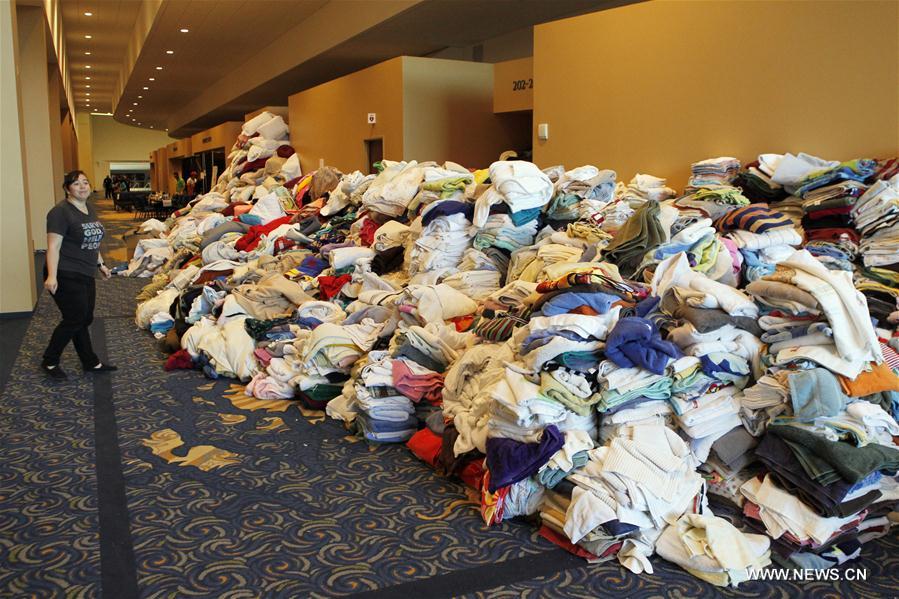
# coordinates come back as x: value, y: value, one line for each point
x: 756, y: 218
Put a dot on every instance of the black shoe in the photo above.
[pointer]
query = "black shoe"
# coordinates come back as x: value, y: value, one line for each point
x: 56, y: 372
x: 101, y: 367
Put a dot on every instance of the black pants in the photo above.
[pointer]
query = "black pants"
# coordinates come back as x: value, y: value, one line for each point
x: 108, y: 193
x: 75, y: 297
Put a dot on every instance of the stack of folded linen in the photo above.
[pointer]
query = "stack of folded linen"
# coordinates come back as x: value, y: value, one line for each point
x: 642, y: 188
x: 876, y: 215
x: 757, y: 185
x: 714, y: 171
x: 385, y: 414
x: 763, y: 236
x: 394, y: 188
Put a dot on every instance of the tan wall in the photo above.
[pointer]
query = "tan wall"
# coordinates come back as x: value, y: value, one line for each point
x: 448, y: 113
x: 717, y: 78
x: 114, y: 142
x: 43, y: 188
x: 328, y: 122
x: 17, y: 293
x: 69, y: 144
x: 220, y: 136
x: 179, y: 148
x: 162, y: 169
x: 513, y: 85
x: 54, y: 89
x: 86, y: 145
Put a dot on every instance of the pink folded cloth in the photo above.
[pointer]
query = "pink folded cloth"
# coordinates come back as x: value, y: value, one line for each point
x: 262, y: 355
x: 417, y: 386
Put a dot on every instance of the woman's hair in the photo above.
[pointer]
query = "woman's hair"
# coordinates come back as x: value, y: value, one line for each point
x: 70, y: 178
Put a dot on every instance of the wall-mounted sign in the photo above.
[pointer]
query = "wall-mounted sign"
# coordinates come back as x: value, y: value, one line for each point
x: 513, y: 85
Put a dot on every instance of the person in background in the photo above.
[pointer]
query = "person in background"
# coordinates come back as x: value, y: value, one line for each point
x: 107, y: 187
x: 191, y: 184
x: 73, y: 258
x: 179, y: 184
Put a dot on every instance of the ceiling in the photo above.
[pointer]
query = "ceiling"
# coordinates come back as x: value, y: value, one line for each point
x: 226, y: 34
x: 221, y: 35
x: 110, y: 26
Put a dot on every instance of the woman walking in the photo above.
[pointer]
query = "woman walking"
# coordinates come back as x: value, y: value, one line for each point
x: 73, y: 257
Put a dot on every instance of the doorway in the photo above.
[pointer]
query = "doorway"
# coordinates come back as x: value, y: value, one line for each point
x: 374, y: 152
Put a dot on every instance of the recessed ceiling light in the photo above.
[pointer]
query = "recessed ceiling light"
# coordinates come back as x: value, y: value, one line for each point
x: 145, y: 87
x: 87, y: 93
x: 158, y: 68
x: 184, y: 30
x: 87, y: 86
x: 87, y: 78
x: 87, y: 53
x: 152, y: 79
x: 87, y: 66
x: 88, y: 14
x: 140, y: 97
x: 87, y: 37
x: 135, y: 103
x: 169, y: 51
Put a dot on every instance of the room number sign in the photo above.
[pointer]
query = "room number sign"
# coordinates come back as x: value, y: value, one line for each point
x: 522, y: 84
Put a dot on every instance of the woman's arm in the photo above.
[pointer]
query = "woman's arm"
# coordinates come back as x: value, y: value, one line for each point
x: 54, y: 242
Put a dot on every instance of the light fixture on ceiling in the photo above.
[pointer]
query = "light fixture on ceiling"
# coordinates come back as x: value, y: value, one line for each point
x: 169, y: 51
x: 158, y: 68
x: 88, y: 14
x: 87, y: 93
x: 87, y: 66
x: 145, y: 87
x: 152, y: 79
x: 87, y: 86
x: 87, y: 78
x: 87, y: 53
x: 184, y: 30
x: 134, y: 103
x: 87, y: 37
x: 140, y: 97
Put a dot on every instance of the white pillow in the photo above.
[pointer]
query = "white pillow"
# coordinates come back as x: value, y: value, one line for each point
x: 276, y: 128
x: 251, y: 126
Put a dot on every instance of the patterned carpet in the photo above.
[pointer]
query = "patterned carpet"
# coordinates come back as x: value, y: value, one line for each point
x: 196, y: 490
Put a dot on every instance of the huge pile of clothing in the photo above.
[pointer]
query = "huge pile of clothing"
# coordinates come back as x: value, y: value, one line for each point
x: 711, y: 376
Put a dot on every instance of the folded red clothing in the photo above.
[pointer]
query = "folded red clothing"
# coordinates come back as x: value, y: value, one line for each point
x: 251, y: 238
x: 425, y: 444
x: 832, y: 234
x: 331, y: 286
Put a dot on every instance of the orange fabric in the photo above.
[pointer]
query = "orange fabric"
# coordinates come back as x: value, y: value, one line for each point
x: 585, y: 310
x: 879, y: 378
x: 463, y: 323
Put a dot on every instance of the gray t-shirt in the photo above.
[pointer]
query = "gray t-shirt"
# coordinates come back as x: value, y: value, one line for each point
x: 81, y: 236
